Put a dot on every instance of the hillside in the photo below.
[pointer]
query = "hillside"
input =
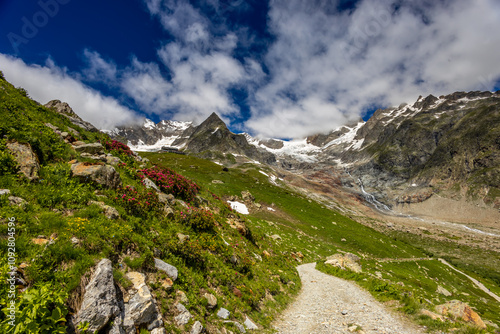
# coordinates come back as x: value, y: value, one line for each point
x: 154, y: 236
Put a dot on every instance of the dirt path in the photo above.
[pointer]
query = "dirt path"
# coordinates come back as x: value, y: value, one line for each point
x: 329, y: 305
x: 475, y: 281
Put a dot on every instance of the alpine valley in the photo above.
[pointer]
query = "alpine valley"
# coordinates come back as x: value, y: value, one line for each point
x: 178, y: 227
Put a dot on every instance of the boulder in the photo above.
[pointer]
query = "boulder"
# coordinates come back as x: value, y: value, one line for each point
x: 4, y: 192
x: 170, y: 270
x: 197, y: 328
x: 150, y: 184
x: 158, y: 331
x: 105, y: 175
x: 345, y: 261
x: 249, y: 324
x: 100, y: 303
x: 459, y: 310
x: 17, y: 201
x: 166, y: 198
x: 223, y: 313
x: 64, y: 109
x: 211, y: 300
x: 182, y: 237
x: 443, y: 291
x: 432, y: 315
x: 247, y: 196
x: 92, y: 148
x: 183, y: 317
x: 25, y: 158
x: 112, y: 160
x: 109, y: 211
x: 141, y: 308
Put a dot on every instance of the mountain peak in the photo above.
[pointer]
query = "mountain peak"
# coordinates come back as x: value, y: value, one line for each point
x: 213, y: 121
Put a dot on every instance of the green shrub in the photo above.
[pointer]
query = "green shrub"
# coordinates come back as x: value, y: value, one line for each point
x: 39, y: 310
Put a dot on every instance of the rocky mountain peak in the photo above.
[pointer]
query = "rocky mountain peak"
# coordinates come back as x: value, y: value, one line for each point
x: 212, y: 122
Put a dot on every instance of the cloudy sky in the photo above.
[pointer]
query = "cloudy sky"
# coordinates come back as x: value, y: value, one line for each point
x: 278, y: 68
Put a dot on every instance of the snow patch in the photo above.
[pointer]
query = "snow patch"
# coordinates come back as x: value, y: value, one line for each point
x: 164, y: 141
x: 348, y: 138
x: 270, y: 209
x: 239, y: 207
x: 149, y: 124
x: 264, y: 173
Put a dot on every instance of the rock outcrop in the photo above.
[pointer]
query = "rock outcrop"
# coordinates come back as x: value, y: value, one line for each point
x: 64, y: 109
x: 102, y: 174
x: 456, y: 309
x: 25, y: 158
x: 100, y: 302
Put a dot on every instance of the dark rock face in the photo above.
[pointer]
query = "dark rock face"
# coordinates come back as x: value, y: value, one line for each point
x: 64, y: 109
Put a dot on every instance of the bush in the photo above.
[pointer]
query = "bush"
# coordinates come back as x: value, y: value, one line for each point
x: 116, y: 146
x: 198, y: 219
x: 39, y: 310
x: 138, y: 203
x: 171, y: 183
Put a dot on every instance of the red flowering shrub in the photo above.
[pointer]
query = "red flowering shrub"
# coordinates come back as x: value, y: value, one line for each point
x: 115, y: 145
x: 171, y: 183
x: 138, y: 203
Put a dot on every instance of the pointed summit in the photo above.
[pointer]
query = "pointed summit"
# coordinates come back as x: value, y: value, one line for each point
x: 212, y: 122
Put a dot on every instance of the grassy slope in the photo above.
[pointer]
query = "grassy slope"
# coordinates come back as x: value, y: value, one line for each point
x: 318, y: 232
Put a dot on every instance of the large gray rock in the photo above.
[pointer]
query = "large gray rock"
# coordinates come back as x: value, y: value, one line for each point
x: 100, y: 303
x: 223, y: 313
x: 105, y: 175
x: 25, y: 158
x: 92, y: 148
x: 169, y: 269
x: 183, y: 317
x: 150, y: 184
x: 249, y: 324
x: 141, y: 308
x: 197, y: 328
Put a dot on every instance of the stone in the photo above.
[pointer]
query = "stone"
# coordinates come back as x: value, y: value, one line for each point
x: 140, y: 308
x: 211, y: 300
x: 344, y: 312
x: 18, y: 201
x: 40, y: 241
x: 169, y: 212
x: 100, y: 303
x: 266, y: 253
x: 443, y: 291
x: 183, y: 317
x: 275, y: 237
x: 182, y: 237
x: 238, y: 225
x: 432, y: 315
x: 112, y: 160
x: 158, y: 331
x: 223, y: 313
x: 105, y: 175
x: 166, y: 198
x: 197, y: 328
x: 150, y: 184
x: 347, y: 261
x: 247, y: 196
x: 77, y: 143
x: 92, y: 148
x: 170, y: 270
x: 109, y: 211
x: 240, y: 327
x: 75, y: 241
x: 217, y: 182
x: 26, y: 159
x: 4, y: 192
x: 167, y: 283
x: 249, y: 324
x: 234, y: 259
x: 181, y: 296
x: 459, y: 310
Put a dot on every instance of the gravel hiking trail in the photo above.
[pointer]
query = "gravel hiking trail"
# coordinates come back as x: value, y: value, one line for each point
x: 329, y: 305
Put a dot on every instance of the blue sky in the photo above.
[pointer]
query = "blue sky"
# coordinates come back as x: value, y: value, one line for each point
x: 280, y: 68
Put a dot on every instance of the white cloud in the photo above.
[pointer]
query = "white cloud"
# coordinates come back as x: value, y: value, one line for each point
x: 49, y: 82
x: 326, y: 67
x: 98, y: 69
